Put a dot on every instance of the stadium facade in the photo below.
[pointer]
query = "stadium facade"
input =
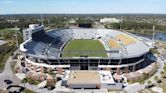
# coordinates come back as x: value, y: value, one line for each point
x: 124, y: 50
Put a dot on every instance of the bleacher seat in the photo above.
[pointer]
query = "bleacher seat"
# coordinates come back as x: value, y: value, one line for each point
x: 113, y: 44
x: 126, y: 40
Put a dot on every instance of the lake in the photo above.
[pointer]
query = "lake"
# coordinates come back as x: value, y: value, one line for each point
x: 158, y: 36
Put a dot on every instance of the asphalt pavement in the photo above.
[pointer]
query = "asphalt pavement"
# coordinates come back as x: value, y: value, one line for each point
x: 8, y: 74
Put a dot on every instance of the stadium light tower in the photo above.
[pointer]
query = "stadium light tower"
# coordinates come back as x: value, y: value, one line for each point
x: 121, y: 52
x: 121, y: 23
x: 121, y: 56
x: 47, y: 52
x: 16, y: 36
x: 42, y: 19
x: 153, y: 33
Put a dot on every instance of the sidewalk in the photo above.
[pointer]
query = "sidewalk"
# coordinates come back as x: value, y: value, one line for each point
x: 8, y: 74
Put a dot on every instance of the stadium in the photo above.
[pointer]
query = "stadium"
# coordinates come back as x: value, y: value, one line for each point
x: 85, y: 49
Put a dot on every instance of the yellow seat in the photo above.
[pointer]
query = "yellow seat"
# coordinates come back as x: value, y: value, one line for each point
x: 125, y: 39
x: 113, y: 44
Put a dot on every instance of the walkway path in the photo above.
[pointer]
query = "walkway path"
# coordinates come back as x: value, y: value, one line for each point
x: 136, y: 87
x: 161, y: 62
x: 8, y: 74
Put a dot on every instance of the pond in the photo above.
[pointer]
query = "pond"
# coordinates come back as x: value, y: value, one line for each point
x: 158, y: 36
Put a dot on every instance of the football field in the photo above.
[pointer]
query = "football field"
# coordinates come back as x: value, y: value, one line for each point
x: 81, y: 48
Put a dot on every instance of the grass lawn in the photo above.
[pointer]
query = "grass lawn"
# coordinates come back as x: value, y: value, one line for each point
x: 5, y: 32
x: 8, y: 35
x: 163, y: 84
x: 4, y: 59
x: 79, y: 47
x: 5, y: 55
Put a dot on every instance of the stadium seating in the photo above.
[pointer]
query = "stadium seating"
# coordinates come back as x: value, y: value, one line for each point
x: 126, y: 40
x: 84, y: 33
x: 113, y: 44
x: 53, y: 41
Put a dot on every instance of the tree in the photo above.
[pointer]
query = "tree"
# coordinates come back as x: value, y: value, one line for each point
x: 149, y: 82
x: 156, y: 78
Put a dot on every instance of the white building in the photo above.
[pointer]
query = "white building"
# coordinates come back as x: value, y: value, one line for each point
x: 72, y: 21
x: 109, y: 20
x: 27, y: 33
x: 96, y: 80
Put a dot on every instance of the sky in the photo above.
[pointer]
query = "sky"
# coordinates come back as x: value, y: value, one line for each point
x: 82, y: 6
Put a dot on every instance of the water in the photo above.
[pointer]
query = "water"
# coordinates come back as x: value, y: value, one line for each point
x: 158, y: 36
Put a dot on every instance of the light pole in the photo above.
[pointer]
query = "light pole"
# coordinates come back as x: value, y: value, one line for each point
x: 153, y: 33
x: 42, y: 19
x: 47, y: 52
x: 121, y: 23
x: 16, y: 36
x: 121, y: 55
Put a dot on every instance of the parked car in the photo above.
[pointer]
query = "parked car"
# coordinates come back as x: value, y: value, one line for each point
x: 7, y: 81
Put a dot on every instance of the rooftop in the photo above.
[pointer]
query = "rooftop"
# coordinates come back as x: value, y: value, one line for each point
x: 106, y: 77
x: 84, y: 77
x: 89, y: 77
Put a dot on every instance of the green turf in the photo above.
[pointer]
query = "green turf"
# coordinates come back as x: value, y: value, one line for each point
x: 75, y: 47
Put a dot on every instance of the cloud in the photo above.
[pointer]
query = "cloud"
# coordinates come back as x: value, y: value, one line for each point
x: 7, y: 1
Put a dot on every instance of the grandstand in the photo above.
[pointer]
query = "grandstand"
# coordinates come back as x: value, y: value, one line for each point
x: 85, y: 49
x: 126, y: 40
x: 113, y: 44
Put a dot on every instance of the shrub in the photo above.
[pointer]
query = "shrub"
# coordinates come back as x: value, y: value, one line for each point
x: 156, y: 78
x: 30, y: 81
x: 149, y: 82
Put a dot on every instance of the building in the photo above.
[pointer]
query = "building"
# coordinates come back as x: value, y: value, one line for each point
x: 46, y: 50
x: 96, y: 80
x: 27, y: 33
x: 85, y: 25
x: 109, y: 20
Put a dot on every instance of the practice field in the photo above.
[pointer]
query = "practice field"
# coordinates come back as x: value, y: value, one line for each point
x: 84, y: 48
